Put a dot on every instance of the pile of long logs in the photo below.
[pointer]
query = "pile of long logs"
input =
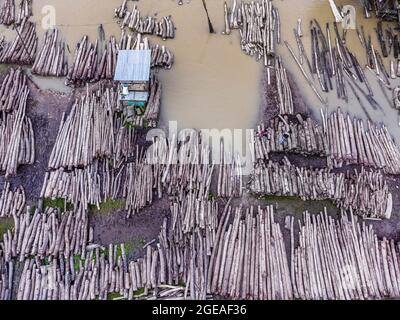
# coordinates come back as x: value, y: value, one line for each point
x: 139, y: 186
x: 91, y: 185
x: 145, y: 25
x: 6, y: 277
x: 93, y: 62
x: 249, y: 259
x: 350, y: 142
x: 12, y: 202
x: 12, y: 89
x: 149, y: 118
x: 259, y: 26
x: 191, y: 213
x: 284, y: 91
x: 108, y: 61
x: 51, y: 60
x: 7, y: 12
x: 343, y: 259
x: 230, y: 178
x: 366, y: 192
x: 161, y: 56
x: 98, y: 271
x: 25, y: 10
x: 284, y: 134
x: 84, y: 63
x: 342, y: 139
x: 17, y: 141
x: 23, y: 49
x: 47, y: 234
x: 87, y: 132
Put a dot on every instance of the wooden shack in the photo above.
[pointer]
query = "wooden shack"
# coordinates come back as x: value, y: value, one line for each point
x: 133, y: 75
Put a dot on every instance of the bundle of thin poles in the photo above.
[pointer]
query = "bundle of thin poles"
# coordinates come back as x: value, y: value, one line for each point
x: 351, y: 143
x: 343, y: 260
x: 289, y: 134
x: 12, y: 202
x: 342, y: 139
x: 161, y: 56
x: 23, y: 49
x: 84, y: 63
x: 51, y: 60
x: 17, y: 137
x: 92, y: 185
x: 284, y: 91
x: 87, y: 132
x: 365, y: 192
x: 25, y: 11
x: 7, y: 12
x: 249, y: 259
x: 6, y: 277
x: 12, y: 89
x: 48, y: 234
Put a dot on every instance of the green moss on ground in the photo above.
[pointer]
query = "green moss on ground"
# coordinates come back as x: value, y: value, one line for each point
x: 56, y: 203
x: 108, y: 206
x: 6, y: 224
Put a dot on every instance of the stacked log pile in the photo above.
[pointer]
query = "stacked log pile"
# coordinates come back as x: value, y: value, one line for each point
x: 6, y: 277
x: 51, y: 60
x: 108, y: 61
x: 12, y: 89
x: 148, y: 118
x: 25, y: 10
x: 84, y: 63
x: 230, y: 178
x: 47, y: 234
x: 7, y: 12
x: 87, y: 132
x: 284, y: 134
x: 147, y: 24
x: 12, y: 202
x: 249, y: 258
x: 342, y: 139
x: 23, y: 49
x: 351, y: 143
x: 17, y: 145
x: 161, y: 56
x: 98, y: 272
x: 284, y: 91
x: 343, y: 259
x: 366, y: 192
x: 94, y: 62
x: 259, y: 26
x: 86, y: 186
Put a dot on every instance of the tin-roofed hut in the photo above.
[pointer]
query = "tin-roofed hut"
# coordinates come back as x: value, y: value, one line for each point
x: 133, y: 74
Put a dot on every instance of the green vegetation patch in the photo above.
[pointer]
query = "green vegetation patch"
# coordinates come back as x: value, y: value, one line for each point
x: 6, y: 224
x: 108, y: 206
x: 59, y: 203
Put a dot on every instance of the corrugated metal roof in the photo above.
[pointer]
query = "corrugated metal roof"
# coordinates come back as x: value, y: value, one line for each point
x: 133, y: 65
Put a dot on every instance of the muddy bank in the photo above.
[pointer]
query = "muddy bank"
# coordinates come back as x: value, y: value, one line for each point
x: 114, y: 227
x: 45, y: 108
